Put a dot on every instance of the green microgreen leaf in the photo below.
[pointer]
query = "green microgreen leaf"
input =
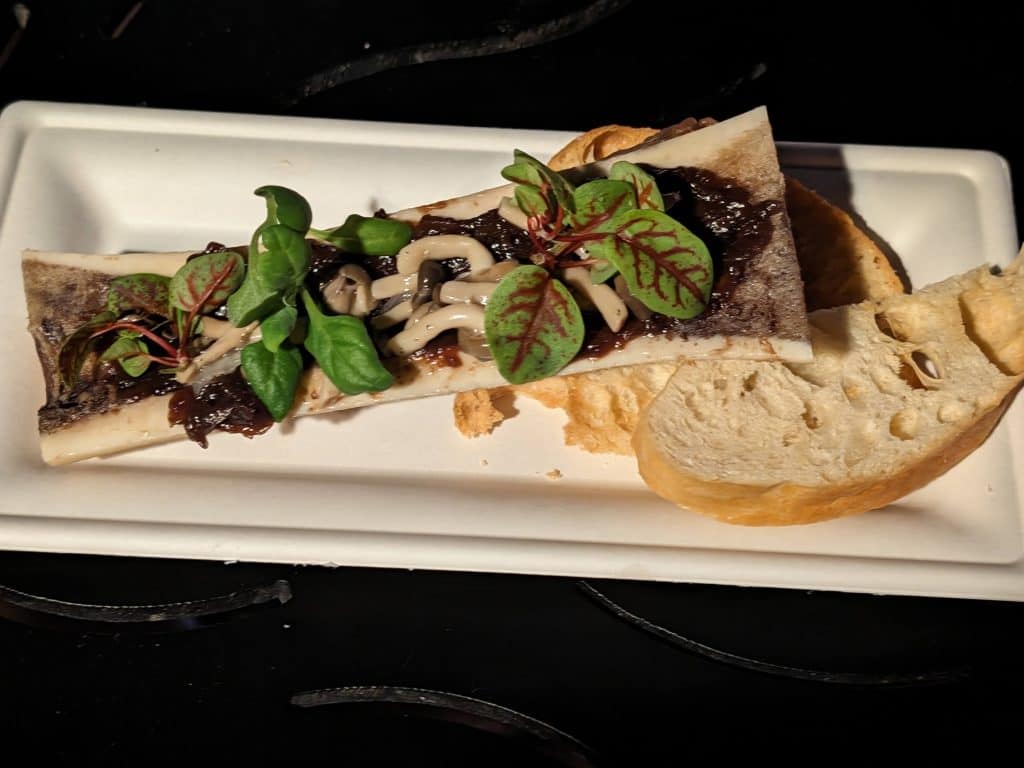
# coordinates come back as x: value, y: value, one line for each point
x: 283, y: 262
x: 275, y: 273
x: 130, y: 352
x: 286, y: 207
x: 367, y: 235
x: 277, y: 327
x: 252, y: 301
x: 273, y: 375
x: 343, y: 349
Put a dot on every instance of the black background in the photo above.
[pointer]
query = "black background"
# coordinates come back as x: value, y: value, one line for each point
x: 179, y: 690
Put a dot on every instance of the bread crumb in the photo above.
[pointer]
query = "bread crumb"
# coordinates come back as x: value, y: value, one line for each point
x: 475, y: 413
x: 554, y: 474
x: 483, y: 462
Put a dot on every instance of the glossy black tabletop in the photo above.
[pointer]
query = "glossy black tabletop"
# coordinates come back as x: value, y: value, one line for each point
x: 131, y: 661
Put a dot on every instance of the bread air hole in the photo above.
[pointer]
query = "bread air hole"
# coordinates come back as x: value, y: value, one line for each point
x: 882, y: 321
x: 908, y: 373
x: 920, y: 370
x: 925, y: 364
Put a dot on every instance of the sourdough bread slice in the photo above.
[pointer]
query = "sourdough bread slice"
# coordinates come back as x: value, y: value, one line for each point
x: 899, y: 391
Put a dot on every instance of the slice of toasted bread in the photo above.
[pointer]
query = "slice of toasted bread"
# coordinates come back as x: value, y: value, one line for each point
x: 899, y: 391
x: 839, y: 265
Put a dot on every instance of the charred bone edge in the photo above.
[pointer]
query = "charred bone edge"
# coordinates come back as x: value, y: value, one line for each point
x: 145, y: 423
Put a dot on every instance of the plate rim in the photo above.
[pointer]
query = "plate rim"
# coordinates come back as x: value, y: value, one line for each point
x: 1005, y: 581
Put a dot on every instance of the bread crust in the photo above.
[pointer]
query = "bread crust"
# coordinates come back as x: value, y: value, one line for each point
x: 793, y: 504
x: 598, y: 143
x: 839, y: 264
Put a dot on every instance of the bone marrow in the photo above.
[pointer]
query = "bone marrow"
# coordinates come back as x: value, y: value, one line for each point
x: 680, y: 248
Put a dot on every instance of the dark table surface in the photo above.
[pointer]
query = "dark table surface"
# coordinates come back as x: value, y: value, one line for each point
x: 421, y: 668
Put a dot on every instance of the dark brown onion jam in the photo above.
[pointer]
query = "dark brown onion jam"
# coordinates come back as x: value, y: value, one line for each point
x: 226, y: 403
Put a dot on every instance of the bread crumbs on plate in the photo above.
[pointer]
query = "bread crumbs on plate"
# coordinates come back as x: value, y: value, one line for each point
x: 554, y: 474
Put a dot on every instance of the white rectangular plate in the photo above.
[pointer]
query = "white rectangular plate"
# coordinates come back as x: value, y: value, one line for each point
x: 396, y: 485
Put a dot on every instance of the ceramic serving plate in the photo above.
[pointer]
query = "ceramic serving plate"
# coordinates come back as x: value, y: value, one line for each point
x: 396, y: 485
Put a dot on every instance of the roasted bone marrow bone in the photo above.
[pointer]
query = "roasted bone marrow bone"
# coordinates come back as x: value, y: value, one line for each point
x: 680, y: 248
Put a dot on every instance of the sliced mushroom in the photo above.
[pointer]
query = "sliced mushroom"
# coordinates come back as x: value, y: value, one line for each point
x: 474, y: 343
x: 510, y: 212
x: 393, y: 285
x: 434, y: 323
x: 213, y: 328
x: 440, y: 247
x: 349, y: 292
x: 612, y: 308
x: 456, y: 291
x: 428, y: 275
x: 392, y: 313
x: 492, y: 274
x: 418, y: 313
x: 236, y: 338
x: 218, y: 367
x: 636, y: 306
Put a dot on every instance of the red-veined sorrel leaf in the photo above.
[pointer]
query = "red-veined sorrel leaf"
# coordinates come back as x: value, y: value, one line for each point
x: 533, y: 325
x: 599, y: 200
x: 601, y: 271
x: 665, y: 265
x: 205, y: 282
x: 522, y: 171
x: 647, y: 193
x: 131, y: 352
x: 531, y: 202
x: 529, y: 171
x: 142, y: 292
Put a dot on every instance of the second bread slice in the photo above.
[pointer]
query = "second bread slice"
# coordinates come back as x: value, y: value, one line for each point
x: 899, y: 391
